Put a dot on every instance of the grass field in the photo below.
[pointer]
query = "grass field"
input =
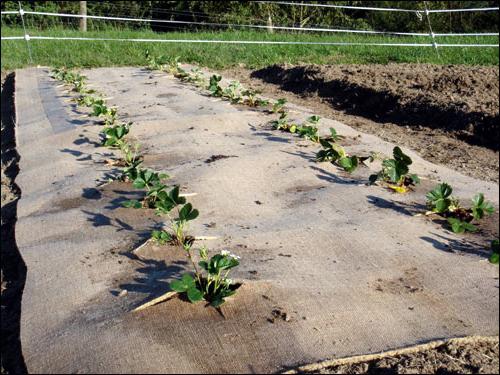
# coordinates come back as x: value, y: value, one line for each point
x: 114, y: 53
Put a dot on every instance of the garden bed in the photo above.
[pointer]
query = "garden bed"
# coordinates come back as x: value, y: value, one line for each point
x: 330, y: 266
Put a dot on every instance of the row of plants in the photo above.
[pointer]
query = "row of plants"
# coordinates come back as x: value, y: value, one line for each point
x: 209, y: 280
x: 394, y: 174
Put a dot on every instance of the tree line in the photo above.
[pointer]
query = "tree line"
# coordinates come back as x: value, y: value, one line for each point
x: 247, y: 12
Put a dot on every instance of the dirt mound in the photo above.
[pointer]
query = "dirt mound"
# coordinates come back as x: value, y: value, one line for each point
x: 460, y: 356
x: 462, y: 100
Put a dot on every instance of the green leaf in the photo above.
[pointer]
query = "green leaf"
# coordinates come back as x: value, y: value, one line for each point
x: 460, y: 227
x: 139, y: 183
x: 349, y: 163
x: 132, y: 204
x: 178, y: 286
x: 188, y: 279
x: 439, y: 199
x: 478, y: 199
x: 217, y: 301
x: 194, y: 295
x: 203, y: 264
x: 495, y: 258
x: 187, y: 213
x: 400, y: 156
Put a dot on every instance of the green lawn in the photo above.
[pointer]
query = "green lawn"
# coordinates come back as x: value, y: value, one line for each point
x: 113, y: 53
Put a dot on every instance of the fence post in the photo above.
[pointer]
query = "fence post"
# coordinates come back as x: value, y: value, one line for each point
x: 26, y: 35
x: 83, y: 12
x: 431, y: 32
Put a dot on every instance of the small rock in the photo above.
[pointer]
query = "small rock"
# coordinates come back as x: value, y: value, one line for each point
x: 123, y: 293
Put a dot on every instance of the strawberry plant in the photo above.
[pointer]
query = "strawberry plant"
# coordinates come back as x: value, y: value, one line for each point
x: 196, y: 76
x: 113, y: 136
x: 155, y: 190
x: 495, y: 251
x: 214, y: 286
x: 480, y: 207
x: 309, y: 132
x: 334, y: 136
x: 154, y: 62
x: 166, y: 202
x: 132, y: 160
x: 214, y: 86
x: 181, y: 74
x: 279, y: 106
x: 313, y: 120
x: 232, y: 92
x: 460, y: 226
x: 58, y: 73
x: 100, y: 109
x: 441, y: 201
x: 335, y: 154
x: 174, y: 67
x: 282, y: 123
x: 88, y: 100
x: 252, y: 100
x: 396, y: 172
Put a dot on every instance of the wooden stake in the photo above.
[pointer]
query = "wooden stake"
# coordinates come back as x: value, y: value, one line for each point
x: 156, y: 301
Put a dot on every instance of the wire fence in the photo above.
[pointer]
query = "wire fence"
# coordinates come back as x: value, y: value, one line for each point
x: 433, y: 37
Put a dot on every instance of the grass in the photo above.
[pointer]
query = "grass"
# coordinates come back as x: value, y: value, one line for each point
x: 218, y: 56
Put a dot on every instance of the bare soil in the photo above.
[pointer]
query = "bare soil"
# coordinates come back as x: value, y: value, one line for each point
x: 449, y: 114
x: 477, y: 357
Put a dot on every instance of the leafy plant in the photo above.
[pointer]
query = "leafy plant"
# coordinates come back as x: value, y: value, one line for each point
x: 196, y: 76
x: 480, y: 207
x: 214, y: 286
x: 495, y: 251
x: 331, y: 151
x: 214, y: 86
x: 181, y: 73
x: 313, y: 120
x: 161, y: 237
x: 154, y: 62
x: 88, y: 100
x: 58, y: 73
x: 439, y: 200
x: 282, y: 123
x: 113, y: 136
x: 155, y: 190
x: 461, y: 226
x: 336, y: 154
x: 334, y: 136
x: 252, y: 100
x: 232, y: 92
x: 279, y: 106
x: 100, y: 109
x: 396, y: 172
x: 132, y: 160
x: 309, y: 132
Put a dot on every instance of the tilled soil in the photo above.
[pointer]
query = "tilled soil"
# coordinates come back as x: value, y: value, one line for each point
x: 448, y: 114
x: 478, y: 356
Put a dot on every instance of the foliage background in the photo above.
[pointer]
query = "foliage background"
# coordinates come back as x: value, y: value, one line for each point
x: 246, y: 12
